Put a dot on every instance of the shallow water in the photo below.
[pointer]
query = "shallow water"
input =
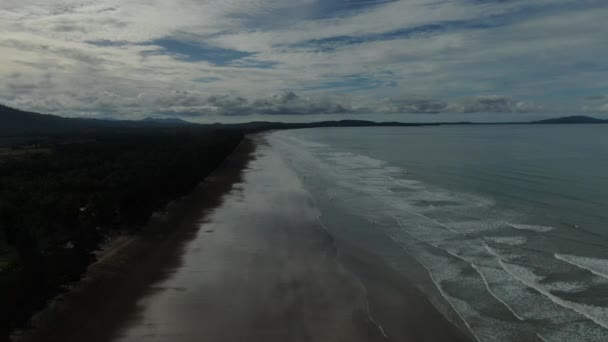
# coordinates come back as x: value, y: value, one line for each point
x: 506, y: 225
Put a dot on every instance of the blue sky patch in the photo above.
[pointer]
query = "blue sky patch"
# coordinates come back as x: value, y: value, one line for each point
x: 107, y: 43
x: 207, y: 79
x: 353, y: 82
x: 509, y: 17
x: 197, y: 52
x: 285, y: 16
x: 253, y: 64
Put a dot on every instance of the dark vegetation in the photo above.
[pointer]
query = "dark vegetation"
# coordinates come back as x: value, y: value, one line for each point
x: 61, y: 196
x: 16, y: 122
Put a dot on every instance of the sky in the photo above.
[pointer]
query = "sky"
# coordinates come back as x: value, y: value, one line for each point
x: 305, y: 60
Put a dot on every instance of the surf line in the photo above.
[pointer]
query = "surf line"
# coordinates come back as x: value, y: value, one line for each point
x: 564, y: 258
x: 483, y: 278
x: 443, y: 294
x: 555, y: 299
x: 475, y: 267
x: 358, y: 281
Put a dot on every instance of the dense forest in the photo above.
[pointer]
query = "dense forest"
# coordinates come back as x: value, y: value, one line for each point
x: 61, y: 196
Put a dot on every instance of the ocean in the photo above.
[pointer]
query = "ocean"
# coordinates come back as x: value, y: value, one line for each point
x: 503, y: 227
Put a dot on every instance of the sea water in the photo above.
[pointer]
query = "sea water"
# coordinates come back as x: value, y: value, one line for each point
x: 503, y: 227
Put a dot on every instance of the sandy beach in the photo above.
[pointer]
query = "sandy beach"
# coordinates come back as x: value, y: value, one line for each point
x: 243, y: 258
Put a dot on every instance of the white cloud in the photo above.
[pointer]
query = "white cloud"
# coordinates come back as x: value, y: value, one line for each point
x: 491, y: 104
x: 596, y: 104
x: 81, y: 57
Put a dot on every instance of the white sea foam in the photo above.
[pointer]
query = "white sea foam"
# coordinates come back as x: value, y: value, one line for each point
x: 530, y: 227
x: 598, y: 267
x: 444, y: 295
x: 468, y: 227
x: 494, y: 295
x: 508, y: 240
x: 523, y: 303
x: 566, y: 286
x: 598, y: 315
x: 430, y: 220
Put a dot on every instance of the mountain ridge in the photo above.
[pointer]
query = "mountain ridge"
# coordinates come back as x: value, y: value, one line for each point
x: 573, y: 119
x: 17, y: 122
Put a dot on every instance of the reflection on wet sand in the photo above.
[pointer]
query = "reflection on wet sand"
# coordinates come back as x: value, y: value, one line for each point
x: 261, y: 269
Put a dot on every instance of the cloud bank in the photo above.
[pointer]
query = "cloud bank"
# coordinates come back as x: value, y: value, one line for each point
x: 197, y: 105
x: 131, y: 58
x: 597, y: 103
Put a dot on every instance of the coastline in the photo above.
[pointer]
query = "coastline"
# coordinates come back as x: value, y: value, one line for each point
x: 402, y: 311
x: 108, y: 291
x: 247, y: 252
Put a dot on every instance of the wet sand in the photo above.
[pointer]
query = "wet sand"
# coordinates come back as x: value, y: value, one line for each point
x: 243, y: 258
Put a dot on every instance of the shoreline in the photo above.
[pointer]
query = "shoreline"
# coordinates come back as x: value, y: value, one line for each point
x: 62, y: 207
x: 108, y: 291
x: 400, y: 310
x: 250, y: 273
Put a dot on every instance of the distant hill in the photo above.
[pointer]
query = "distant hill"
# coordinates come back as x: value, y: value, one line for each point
x: 14, y: 121
x: 168, y: 121
x: 577, y: 119
x: 17, y: 122
x: 257, y: 126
